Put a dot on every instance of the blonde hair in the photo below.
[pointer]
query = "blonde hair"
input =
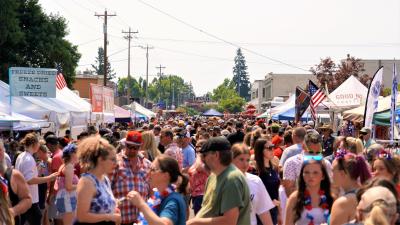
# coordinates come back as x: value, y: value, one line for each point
x: 380, y: 214
x: 354, y: 145
x: 91, y: 149
x: 149, y: 144
x: 5, y: 215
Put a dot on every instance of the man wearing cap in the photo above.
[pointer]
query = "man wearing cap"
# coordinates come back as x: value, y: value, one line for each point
x: 171, y: 148
x: 130, y: 173
x: 189, y: 155
x: 366, y: 137
x: 328, y: 140
x: 227, y: 197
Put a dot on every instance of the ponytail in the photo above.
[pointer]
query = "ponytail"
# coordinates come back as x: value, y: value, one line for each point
x: 362, y: 168
x: 182, y: 184
x: 377, y: 215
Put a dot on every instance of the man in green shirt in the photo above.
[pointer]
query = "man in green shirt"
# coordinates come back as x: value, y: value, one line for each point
x: 227, y: 197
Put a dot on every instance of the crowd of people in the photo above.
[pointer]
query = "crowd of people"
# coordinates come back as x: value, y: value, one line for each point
x: 199, y: 171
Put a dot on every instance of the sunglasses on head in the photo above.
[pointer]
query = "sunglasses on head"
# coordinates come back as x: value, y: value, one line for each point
x: 307, y: 158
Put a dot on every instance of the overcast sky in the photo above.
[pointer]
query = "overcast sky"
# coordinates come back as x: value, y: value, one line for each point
x: 197, y: 40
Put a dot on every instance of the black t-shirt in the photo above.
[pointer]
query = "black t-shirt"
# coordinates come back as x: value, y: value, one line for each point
x: 271, y: 181
x: 236, y: 137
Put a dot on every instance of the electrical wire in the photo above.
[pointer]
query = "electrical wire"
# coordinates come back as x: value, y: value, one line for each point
x: 220, y: 39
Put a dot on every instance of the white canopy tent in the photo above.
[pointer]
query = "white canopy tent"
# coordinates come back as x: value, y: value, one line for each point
x: 280, y: 108
x: 350, y: 94
x: 60, y: 110
x: 136, y: 107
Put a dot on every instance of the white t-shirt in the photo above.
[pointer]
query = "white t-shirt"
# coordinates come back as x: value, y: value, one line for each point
x: 27, y: 166
x: 260, y: 199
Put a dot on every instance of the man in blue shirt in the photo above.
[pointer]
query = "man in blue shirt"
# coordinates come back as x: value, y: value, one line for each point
x: 188, y: 152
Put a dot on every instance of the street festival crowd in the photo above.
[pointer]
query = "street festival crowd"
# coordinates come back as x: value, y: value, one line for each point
x: 196, y: 170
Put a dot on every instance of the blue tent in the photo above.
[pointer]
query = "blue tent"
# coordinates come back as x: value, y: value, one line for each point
x: 212, y: 112
x: 289, y: 115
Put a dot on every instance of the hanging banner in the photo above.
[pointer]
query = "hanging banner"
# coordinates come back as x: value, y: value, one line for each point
x: 301, y: 103
x: 96, y: 97
x: 393, y: 104
x: 372, y: 97
x: 108, y: 100
x: 32, y: 82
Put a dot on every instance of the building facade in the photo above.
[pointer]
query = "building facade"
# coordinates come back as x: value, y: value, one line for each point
x: 372, y: 65
x: 276, y: 86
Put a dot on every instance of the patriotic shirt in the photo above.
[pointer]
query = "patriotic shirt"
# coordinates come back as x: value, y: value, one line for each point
x: 127, y: 177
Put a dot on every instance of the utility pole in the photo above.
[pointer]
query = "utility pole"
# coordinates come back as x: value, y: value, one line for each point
x: 159, y: 79
x: 129, y: 37
x: 105, y: 41
x: 147, y: 72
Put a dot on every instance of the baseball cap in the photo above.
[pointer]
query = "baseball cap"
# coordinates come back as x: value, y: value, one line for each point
x: 216, y: 144
x: 133, y: 138
x: 365, y: 130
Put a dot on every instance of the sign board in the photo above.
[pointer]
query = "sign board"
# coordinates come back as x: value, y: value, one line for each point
x: 108, y: 100
x: 32, y: 82
x: 96, y: 97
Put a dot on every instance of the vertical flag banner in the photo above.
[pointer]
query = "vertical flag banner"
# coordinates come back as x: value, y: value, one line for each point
x: 96, y: 97
x: 317, y: 95
x: 371, y: 104
x: 108, y: 100
x: 393, y: 104
x: 301, y: 103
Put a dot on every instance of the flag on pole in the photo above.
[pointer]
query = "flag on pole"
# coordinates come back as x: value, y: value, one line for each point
x: 60, y: 81
x: 301, y: 103
x: 393, y: 104
x: 374, y: 91
x: 317, y: 95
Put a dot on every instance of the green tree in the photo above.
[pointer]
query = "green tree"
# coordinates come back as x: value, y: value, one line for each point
x: 136, y: 90
x: 37, y: 41
x: 99, y: 65
x: 227, y: 97
x: 172, y: 90
x: 240, y: 76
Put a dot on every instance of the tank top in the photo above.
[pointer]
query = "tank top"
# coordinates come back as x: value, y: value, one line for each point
x: 104, y: 201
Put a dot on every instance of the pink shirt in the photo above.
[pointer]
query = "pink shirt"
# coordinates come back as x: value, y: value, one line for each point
x: 56, y: 161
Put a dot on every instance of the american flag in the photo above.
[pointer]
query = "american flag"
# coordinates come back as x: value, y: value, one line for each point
x: 60, y: 81
x: 317, y: 95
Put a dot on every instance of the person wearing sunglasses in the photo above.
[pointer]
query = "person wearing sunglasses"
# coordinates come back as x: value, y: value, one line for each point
x: 292, y: 167
x: 130, y: 174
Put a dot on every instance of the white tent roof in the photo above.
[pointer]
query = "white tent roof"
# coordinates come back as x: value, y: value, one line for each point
x: 136, y: 107
x: 280, y: 108
x: 350, y: 94
x: 61, y: 110
x: 357, y: 114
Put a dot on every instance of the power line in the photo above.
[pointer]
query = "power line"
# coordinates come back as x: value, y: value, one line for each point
x: 220, y: 39
x: 276, y: 43
x: 87, y: 42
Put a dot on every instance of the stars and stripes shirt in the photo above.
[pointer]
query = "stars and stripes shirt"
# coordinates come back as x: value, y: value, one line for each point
x: 127, y: 177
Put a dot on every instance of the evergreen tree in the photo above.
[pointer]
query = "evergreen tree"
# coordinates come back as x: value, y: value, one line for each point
x: 99, y: 66
x: 240, y: 76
